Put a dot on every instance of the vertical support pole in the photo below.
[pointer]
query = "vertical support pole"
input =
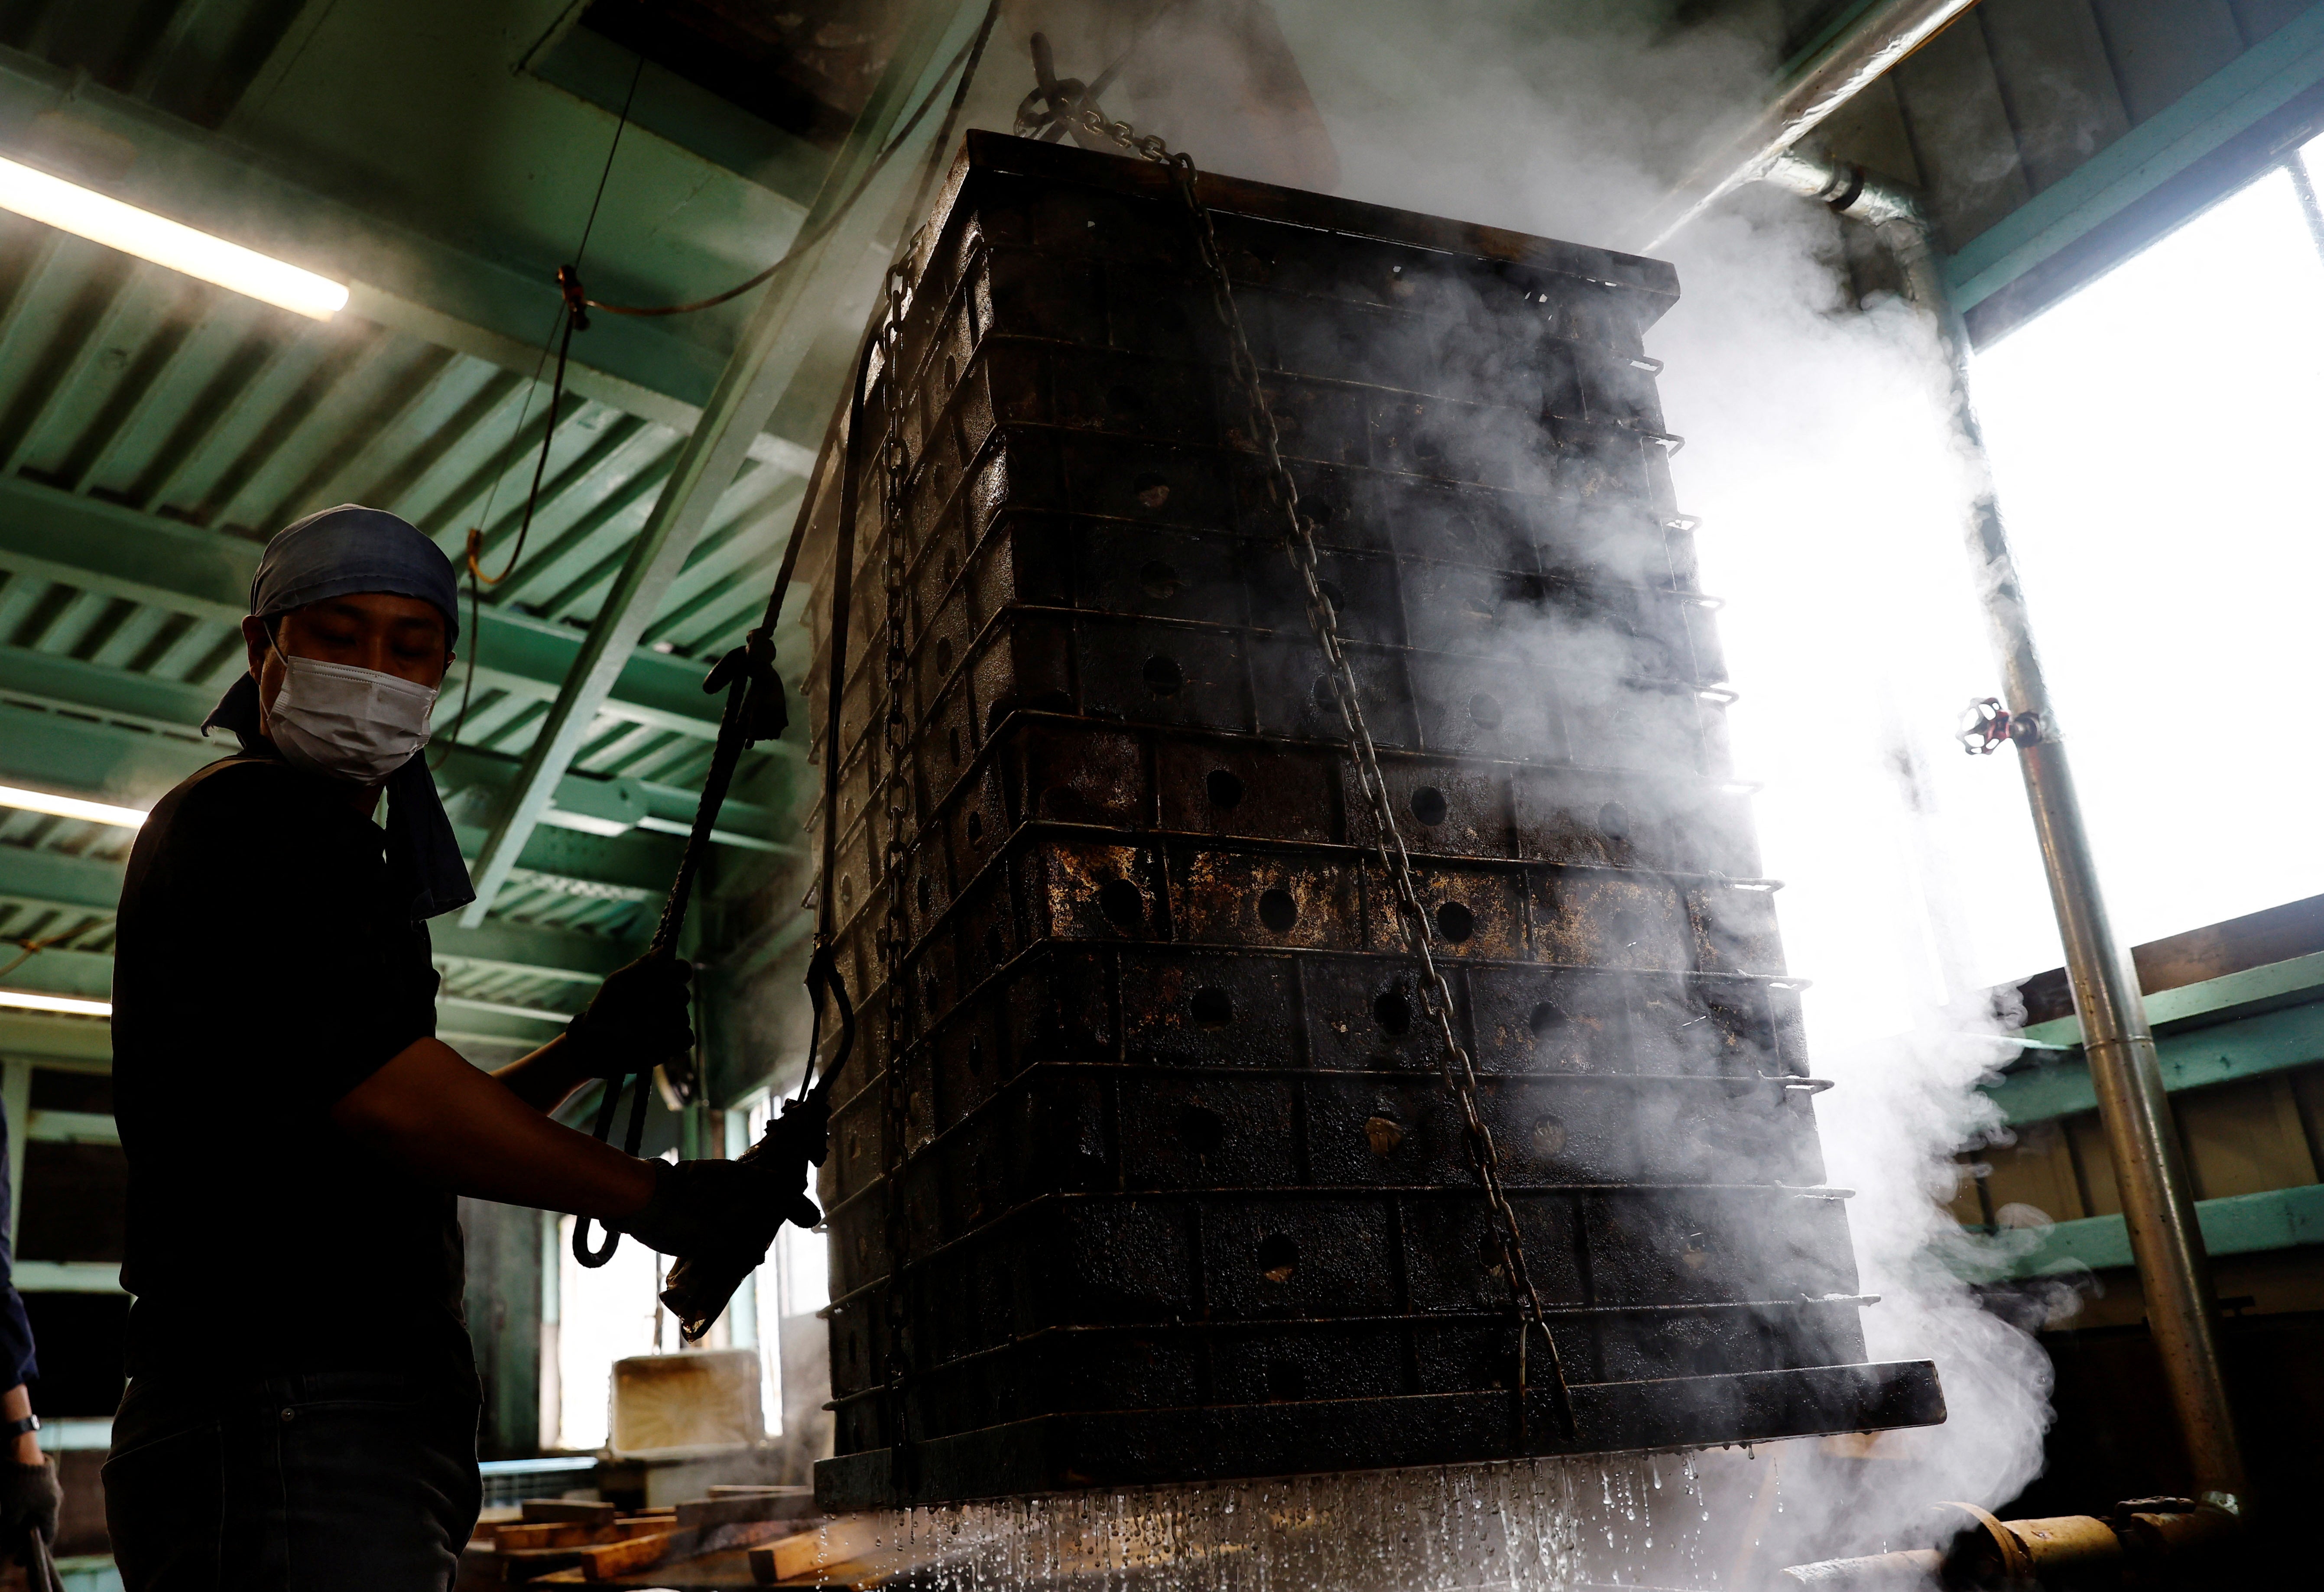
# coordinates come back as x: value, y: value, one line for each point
x: 16, y: 1101
x: 2132, y: 1106
x: 552, y: 1313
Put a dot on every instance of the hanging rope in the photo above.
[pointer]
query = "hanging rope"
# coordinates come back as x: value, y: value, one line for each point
x: 755, y: 711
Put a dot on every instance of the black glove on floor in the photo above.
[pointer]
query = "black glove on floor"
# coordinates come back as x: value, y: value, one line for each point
x: 29, y: 1498
x: 638, y: 1019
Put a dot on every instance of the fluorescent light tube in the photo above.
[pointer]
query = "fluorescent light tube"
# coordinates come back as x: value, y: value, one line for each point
x: 65, y: 806
x: 55, y: 1003
x: 133, y: 231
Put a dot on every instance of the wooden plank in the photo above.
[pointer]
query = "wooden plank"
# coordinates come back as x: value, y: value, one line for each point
x: 2277, y: 933
x: 835, y: 1541
x: 784, y: 1503
x: 538, y: 1510
x: 857, y: 1575
x: 545, y: 1534
x: 612, y: 1559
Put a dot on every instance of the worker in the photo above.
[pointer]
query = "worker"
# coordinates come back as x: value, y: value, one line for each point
x: 30, y: 1495
x: 301, y: 1406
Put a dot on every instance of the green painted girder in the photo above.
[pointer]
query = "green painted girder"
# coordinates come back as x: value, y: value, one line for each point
x: 26, y: 1035
x: 92, y: 883
x: 2263, y: 78
x: 466, y: 1006
x: 144, y: 559
x: 781, y: 333
x: 425, y: 287
x: 590, y: 803
x: 86, y: 975
x: 132, y: 766
x: 2196, y: 1046
x: 2239, y: 1224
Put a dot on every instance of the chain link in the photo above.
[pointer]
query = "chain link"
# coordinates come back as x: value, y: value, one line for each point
x: 1121, y: 135
x: 1435, y: 994
x: 892, y: 798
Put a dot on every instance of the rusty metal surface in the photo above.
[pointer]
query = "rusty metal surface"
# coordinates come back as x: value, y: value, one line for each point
x: 1176, y: 1149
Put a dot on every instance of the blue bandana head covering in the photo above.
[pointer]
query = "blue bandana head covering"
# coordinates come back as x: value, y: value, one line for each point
x: 338, y: 553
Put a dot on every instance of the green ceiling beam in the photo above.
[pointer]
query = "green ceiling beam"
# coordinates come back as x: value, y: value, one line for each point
x: 457, y: 297
x: 586, y: 802
x: 781, y: 333
x: 134, y: 767
x: 2221, y: 1053
x: 46, y: 1036
x: 144, y: 559
x: 2246, y: 1024
x: 58, y: 879
x: 92, y: 883
x: 2286, y: 63
x: 104, y: 762
x: 85, y: 975
x: 2238, y: 1224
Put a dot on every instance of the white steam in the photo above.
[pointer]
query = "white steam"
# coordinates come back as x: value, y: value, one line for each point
x: 1820, y: 461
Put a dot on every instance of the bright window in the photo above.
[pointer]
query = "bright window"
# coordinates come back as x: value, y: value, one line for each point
x: 604, y: 1313
x: 2155, y: 439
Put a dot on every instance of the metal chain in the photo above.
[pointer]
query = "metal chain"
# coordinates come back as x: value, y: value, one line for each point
x: 1299, y: 542
x: 892, y: 798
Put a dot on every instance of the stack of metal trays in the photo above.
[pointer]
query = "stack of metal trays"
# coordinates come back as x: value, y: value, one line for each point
x: 1182, y: 1192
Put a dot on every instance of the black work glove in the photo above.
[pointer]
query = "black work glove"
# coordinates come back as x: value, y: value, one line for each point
x: 29, y: 1500
x: 773, y: 1187
x: 637, y: 1020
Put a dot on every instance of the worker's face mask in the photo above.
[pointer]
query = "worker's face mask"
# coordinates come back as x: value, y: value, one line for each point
x: 349, y: 722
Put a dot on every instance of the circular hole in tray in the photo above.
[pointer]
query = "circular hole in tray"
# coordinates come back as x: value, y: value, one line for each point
x: 1428, y: 805
x: 1278, y: 911
x: 1202, y: 1129
x: 1163, y: 677
x: 1278, y: 1257
x: 1121, y: 902
x: 1223, y: 787
x: 1455, y: 922
x: 1214, y: 1008
x: 1392, y: 1011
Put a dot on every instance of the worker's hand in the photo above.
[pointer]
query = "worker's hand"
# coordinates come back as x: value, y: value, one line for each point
x: 727, y: 1209
x: 703, y: 1280
x: 637, y: 1020
x: 29, y: 1499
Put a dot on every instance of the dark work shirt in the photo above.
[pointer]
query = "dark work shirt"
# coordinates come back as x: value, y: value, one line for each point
x: 263, y: 968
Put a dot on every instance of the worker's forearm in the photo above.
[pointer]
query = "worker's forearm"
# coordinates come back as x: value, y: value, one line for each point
x: 14, y: 1405
x: 544, y: 1078
x: 448, y: 1124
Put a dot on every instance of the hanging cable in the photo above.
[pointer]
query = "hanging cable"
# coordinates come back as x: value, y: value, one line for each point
x: 808, y: 237
x: 576, y: 317
x: 571, y: 317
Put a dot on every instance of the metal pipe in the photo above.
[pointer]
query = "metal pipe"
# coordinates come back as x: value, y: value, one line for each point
x: 1886, y: 32
x: 2146, y: 1542
x: 2132, y: 1106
